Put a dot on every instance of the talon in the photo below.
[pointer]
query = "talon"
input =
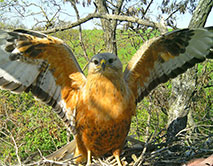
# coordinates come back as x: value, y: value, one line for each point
x: 89, y: 158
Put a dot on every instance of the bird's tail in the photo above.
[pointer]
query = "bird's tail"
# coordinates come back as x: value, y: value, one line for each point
x: 63, y: 153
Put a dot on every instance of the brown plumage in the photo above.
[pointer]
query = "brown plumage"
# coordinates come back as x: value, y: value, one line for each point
x: 97, y: 108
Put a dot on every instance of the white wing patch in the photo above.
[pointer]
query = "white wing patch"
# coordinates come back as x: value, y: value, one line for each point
x: 20, y: 73
x: 13, y: 73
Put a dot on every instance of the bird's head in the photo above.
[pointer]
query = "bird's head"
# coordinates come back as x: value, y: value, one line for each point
x: 105, y: 63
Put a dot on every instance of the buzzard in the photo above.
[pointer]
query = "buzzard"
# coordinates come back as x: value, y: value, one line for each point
x: 98, y: 107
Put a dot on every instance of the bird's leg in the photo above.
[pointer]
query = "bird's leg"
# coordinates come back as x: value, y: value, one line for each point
x: 89, y: 158
x: 116, y: 154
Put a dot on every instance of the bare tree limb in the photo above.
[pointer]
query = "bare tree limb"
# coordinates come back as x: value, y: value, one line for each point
x: 106, y: 16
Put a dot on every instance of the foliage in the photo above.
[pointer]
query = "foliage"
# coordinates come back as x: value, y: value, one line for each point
x: 202, y: 99
x: 29, y: 125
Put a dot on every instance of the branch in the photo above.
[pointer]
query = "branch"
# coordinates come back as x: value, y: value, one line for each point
x: 147, y: 8
x: 171, y: 14
x: 106, y: 16
x: 80, y: 30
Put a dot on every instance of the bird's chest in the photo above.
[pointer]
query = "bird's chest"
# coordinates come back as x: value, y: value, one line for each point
x: 106, y: 116
x: 106, y: 99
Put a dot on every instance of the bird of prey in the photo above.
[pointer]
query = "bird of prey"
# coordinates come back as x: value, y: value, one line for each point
x: 98, y: 107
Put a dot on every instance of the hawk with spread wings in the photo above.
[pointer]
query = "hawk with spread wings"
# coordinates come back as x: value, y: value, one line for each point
x: 98, y: 107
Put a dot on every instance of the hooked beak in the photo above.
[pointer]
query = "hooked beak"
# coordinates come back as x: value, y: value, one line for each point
x: 103, y: 64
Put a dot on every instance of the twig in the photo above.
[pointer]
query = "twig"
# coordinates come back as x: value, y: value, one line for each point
x: 16, y: 148
x: 80, y: 30
x: 84, y: 68
x: 44, y: 160
x: 141, y: 157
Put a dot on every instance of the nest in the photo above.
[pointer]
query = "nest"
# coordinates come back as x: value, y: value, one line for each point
x: 156, y: 151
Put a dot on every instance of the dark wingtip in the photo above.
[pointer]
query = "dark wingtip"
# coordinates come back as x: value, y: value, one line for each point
x: 30, y: 32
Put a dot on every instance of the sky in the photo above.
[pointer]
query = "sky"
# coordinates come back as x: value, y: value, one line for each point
x: 182, y: 20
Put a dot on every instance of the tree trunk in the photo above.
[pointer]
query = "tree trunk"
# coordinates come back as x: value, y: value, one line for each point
x: 109, y: 26
x: 184, y: 85
x: 201, y: 13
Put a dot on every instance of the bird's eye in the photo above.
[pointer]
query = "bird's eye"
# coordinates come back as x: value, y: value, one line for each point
x: 95, y: 62
x: 111, y: 60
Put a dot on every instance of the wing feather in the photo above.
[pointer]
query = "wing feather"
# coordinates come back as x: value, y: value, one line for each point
x: 32, y: 61
x: 165, y: 57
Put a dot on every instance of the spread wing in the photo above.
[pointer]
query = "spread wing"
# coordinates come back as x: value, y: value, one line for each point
x: 44, y: 65
x: 166, y: 57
